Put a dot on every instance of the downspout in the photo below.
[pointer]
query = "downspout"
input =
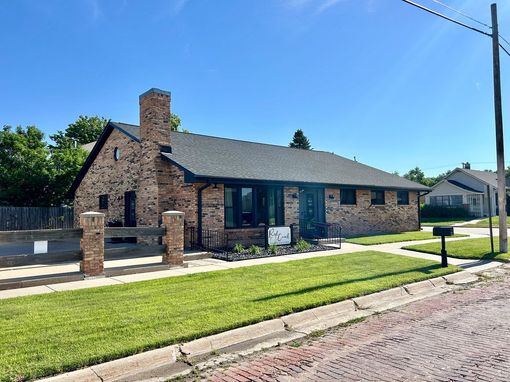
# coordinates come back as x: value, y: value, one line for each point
x: 419, y: 208
x: 199, y: 211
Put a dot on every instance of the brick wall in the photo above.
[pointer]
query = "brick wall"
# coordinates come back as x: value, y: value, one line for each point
x: 108, y: 176
x: 363, y: 219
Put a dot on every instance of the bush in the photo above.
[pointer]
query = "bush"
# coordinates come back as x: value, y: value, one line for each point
x: 302, y: 245
x: 254, y: 250
x: 273, y: 249
x: 428, y: 211
x: 238, y: 248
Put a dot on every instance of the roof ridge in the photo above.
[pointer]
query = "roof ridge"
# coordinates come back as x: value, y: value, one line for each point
x: 240, y: 140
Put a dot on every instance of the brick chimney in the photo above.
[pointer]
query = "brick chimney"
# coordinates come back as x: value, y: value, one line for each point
x: 154, y: 135
x: 466, y: 165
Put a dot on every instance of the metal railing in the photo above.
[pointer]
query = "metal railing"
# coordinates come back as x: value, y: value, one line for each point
x: 206, y: 239
x: 323, y: 233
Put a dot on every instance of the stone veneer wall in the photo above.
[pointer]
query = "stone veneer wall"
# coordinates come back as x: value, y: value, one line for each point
x: 108, y: 176
x: 363, y: 219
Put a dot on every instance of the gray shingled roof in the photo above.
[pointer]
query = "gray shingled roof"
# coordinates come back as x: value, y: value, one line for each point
x: 213, y: 157
x: 485, y: 176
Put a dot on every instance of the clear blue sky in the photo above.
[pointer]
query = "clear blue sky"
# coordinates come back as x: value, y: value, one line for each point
x: 376, y: 79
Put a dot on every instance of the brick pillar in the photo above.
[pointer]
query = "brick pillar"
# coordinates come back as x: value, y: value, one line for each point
x: 174, y: 237
x: 92, y: 243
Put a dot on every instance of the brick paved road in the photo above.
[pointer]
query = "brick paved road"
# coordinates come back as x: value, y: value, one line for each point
x: 462, y: 336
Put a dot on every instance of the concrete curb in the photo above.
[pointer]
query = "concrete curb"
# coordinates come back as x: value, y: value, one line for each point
x: 463, y: 277
x: 175, y: 360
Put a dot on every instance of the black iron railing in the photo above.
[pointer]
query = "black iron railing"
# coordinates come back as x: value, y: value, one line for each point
x: 323, y: 233
x: 206, y: 239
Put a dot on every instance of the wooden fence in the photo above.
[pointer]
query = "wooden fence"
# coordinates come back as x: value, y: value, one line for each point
x: 33, y: 218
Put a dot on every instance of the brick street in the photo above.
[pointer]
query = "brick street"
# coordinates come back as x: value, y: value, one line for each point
x: 459, y: 336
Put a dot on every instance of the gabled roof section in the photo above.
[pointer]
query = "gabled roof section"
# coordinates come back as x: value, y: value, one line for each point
x: 131, y: 131
x: 213, y: 158
x: 463, y: 186
x: 488, y: 177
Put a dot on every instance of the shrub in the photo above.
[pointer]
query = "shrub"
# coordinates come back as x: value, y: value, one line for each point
x: 273, y: 249
x: 254, y: 250
x: 238, y: 248
x: 302, y: 245
x: 428, y: 211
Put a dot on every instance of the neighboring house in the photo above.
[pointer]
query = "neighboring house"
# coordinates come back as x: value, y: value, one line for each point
x: 466, y: 188
x: 135, y: 173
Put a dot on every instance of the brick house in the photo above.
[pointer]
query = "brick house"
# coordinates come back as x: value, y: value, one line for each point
x: 134, y: 173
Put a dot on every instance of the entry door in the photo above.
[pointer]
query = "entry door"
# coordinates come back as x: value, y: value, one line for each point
x: 311, y: 210
x: 130, y: 209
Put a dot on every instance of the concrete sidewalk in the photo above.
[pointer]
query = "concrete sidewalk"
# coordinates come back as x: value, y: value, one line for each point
x: 204, y: 265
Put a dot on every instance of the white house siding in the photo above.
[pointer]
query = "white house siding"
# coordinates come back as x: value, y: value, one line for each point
x: 446, y: 188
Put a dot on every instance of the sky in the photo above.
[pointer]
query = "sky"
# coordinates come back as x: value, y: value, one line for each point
x: 378, y: 80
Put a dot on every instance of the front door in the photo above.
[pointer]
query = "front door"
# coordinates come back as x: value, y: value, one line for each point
x: 130, y: 209
x: 311, y: 210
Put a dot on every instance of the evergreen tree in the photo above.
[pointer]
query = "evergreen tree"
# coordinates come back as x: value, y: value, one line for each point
x: 300, y: 141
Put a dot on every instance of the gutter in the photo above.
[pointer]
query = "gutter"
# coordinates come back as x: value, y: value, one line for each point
x: 419, y: 207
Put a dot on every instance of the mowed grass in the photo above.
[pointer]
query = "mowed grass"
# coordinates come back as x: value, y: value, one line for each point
x: 465, y: 249
x: 484, y: 223
x: 393, y: 238
x: 49, y: 334
x: 430, y: 222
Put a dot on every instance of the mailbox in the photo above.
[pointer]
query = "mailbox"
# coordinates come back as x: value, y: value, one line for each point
x: 442, y: 231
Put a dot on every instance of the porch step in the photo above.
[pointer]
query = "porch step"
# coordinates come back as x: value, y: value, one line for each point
x: 25, y: 282
x: 197, y: 256
x: 131, y: 269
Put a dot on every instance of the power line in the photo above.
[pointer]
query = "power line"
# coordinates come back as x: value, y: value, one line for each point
x: 462, y: 13
x: 446, y: 17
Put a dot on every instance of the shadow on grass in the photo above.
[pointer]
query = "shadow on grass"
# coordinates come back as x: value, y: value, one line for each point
x: 425, y: 270
x: 489, y: 256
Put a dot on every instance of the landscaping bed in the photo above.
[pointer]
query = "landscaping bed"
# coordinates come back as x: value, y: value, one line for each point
x: 53, y: 333
x: 281, y: 251
x: 479, y: 248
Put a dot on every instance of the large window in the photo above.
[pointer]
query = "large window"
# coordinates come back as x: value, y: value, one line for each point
x: 377, y: 197
x: 251, y: 206
x: 402, y: 198
x: 446, y: 200
x: 347, y: 196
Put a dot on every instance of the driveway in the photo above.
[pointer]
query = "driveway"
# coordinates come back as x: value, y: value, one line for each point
x: 454, y: 337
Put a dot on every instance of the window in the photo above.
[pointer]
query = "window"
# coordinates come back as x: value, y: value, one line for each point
x: 446, y: 200
x: 103, y: 202
x: 377, y: 197
x: 251, y: 206
x: 347, y: 196
x: 402, y: 198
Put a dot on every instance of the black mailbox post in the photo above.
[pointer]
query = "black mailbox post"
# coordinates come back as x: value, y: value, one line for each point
x: 443, y: 232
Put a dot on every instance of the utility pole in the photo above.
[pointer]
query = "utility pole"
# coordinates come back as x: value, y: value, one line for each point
x: 500, y: 151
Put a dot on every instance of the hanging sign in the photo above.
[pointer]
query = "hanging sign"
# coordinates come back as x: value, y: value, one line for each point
x: 278, y: 235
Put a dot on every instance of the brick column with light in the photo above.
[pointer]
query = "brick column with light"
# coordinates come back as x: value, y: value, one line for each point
x: 174, y: 237
x: 92, y: 243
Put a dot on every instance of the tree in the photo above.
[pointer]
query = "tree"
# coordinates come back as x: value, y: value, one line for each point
x: 300, y: 141
x: 416, y: 175
x: 84, y: 130
x: 25, y: 167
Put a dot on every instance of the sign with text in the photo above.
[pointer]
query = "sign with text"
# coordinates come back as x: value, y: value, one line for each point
x: 278, y: 235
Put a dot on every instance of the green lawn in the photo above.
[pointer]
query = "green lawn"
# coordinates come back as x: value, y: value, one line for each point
x: 484, y: 223
x: 465, y: 249
x: 393, y: 238
x: 442, y: 221
x: 48, y: 334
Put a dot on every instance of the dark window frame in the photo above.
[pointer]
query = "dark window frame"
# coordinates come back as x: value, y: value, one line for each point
x: 256, y: 214
x: 401, y: 202
x: 376, y: 201
x: 348, y: 201
x: 103, y: 202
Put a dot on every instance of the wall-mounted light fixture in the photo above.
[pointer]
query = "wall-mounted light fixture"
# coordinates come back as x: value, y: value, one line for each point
x: 295, y: 195
x: 331, y: 196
